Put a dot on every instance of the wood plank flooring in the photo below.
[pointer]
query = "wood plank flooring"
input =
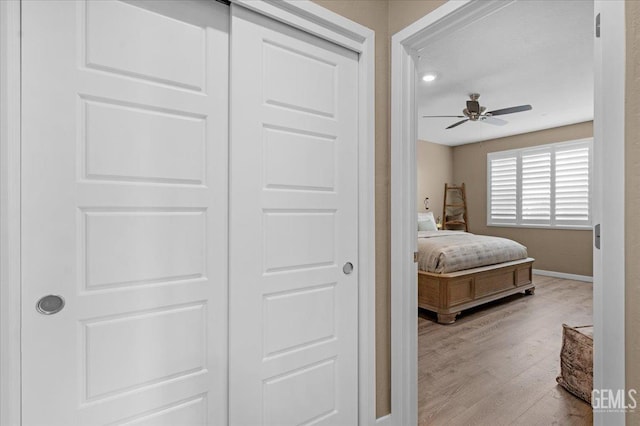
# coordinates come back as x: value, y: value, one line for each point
x: 497, y: 364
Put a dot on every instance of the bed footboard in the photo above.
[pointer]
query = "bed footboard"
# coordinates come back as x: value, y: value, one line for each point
x: 451, y: 293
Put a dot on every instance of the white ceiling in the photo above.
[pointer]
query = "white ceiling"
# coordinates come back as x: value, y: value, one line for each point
x: 529, y: 52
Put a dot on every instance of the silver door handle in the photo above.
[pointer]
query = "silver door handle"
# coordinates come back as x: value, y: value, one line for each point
x: 50, y: 304
x: 347, y: 268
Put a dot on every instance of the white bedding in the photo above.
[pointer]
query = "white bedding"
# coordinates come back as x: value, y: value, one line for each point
x: 450, y: 251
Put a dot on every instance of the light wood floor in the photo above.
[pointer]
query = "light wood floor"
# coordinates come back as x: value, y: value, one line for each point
x: 498, y: 363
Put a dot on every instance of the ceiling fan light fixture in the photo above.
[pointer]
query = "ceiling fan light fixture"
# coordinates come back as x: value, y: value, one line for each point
x: 476, y: 112
x: 429, y: 77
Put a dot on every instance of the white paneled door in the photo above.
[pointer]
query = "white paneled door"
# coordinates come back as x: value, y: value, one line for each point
x: 293, y: 227
x: 124, y: 212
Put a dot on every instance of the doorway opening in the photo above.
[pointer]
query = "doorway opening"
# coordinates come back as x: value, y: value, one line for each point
x: 422, y: 50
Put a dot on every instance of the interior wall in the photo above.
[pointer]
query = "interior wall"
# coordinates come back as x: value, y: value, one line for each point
x: 434, y: 165
x: 402, y: 13
x: 558, y: 250
x: 632, y: 201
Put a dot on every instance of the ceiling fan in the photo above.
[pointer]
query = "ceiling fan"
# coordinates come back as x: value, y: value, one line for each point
x: 475, y: 112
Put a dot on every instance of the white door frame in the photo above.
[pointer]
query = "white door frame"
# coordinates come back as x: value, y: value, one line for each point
x: 10, y: 384
x: 609, y: 207
x: 301, y: 14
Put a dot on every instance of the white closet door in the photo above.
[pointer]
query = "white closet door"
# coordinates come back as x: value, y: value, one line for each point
x: 293, y: 225
x: 124, y: 212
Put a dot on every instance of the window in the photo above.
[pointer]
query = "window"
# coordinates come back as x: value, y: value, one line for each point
x: 543, y: 186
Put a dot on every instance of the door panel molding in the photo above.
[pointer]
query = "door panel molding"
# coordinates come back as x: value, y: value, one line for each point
x: 301, y: 14
x: 283, y: 235
x: 314, y: 19
x: 118, y: 218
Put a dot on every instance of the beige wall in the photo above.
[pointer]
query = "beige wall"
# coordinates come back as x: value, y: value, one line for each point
x: 434, y: 164
x: 402, y: 13
x: 632, y: 201
x: 557, y: 250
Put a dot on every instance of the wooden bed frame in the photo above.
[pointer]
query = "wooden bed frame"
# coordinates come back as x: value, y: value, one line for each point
x: 451, y: 293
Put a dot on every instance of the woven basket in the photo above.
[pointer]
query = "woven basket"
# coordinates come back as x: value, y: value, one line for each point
x: 576, y: 361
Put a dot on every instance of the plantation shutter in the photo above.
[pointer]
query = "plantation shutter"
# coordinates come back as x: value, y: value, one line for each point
x: 503, y: 189
x: 547, y: 185
x: 536, y: 187
x: 572, y: 184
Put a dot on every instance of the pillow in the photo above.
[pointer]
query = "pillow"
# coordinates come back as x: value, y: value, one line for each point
x: 427, y: 225
x: 426, y: 222
x: 425, y: 215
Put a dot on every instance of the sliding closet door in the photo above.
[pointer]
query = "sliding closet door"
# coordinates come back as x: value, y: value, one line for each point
x: 124, y: 212
x: 293, y: 227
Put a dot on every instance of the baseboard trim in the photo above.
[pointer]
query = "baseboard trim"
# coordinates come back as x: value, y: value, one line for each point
x: 384, y: 420
x: 555, y: 274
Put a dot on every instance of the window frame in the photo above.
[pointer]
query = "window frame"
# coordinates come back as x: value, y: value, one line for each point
x: 538, y: 224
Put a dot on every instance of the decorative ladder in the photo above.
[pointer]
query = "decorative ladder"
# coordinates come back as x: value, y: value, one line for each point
x: 454, y: 211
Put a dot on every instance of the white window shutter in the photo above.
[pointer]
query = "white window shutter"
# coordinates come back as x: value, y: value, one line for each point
x: 536, y: 187
x: 572, y: 184
x: 545, y: 186
x: 503, y: 189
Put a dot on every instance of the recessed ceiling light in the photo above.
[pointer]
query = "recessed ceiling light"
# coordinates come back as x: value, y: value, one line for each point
x: 429, y: 77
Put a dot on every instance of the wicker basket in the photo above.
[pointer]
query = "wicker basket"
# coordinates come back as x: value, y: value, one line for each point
x: 576, y: 361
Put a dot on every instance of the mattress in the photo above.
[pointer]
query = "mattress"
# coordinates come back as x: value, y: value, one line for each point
x: 451, y: 251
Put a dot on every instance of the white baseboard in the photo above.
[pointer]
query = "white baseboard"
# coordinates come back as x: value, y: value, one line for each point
x: 554, y: 274
x: 384, y: 420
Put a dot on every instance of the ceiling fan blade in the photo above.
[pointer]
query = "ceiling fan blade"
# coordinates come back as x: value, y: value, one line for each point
x: 443, y: 116
x: 457, y: 124
x: 510, y: 110
x: 494, y: 121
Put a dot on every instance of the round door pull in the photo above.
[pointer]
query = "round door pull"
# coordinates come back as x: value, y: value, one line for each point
x: 50, y: 304
x: 347, y: 268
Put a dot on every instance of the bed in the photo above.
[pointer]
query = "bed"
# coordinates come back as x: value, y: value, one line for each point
x: 458, y: 270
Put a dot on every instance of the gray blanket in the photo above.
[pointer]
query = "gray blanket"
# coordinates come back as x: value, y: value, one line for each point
x: 450, y: 251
